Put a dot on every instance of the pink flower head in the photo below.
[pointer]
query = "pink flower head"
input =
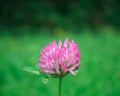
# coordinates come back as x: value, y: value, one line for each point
x: 59, y: 59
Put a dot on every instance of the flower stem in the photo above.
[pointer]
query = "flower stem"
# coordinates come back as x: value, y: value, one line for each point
x: 60, y: 84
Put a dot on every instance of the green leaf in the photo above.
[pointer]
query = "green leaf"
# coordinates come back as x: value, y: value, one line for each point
x: 31, y: 70
x: 44, y: 80
x: 44, y: 77
x: 76, y: 71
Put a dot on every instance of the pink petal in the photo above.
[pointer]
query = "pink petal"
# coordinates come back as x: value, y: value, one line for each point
x: 57, y: 67
x: 41, y: 65
x: 64, y: 67
x: 66, y: 43
x: 73, y: 67
x: 73, y: 73
x: 60, y: 44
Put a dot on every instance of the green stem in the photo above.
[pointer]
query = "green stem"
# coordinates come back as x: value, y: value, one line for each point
x: 60, y: 84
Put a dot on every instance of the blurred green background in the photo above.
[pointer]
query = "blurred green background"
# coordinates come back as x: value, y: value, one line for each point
x: 26, y: 26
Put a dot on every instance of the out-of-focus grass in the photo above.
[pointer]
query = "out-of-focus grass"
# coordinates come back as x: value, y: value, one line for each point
x: 99, y: 73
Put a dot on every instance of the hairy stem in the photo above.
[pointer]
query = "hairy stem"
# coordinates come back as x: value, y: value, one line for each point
x: 60, y: 84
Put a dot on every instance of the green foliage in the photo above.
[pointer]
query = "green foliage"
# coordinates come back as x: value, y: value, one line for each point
x: 66, y: 14
x: 99, y: 73
x: 31, y: 70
